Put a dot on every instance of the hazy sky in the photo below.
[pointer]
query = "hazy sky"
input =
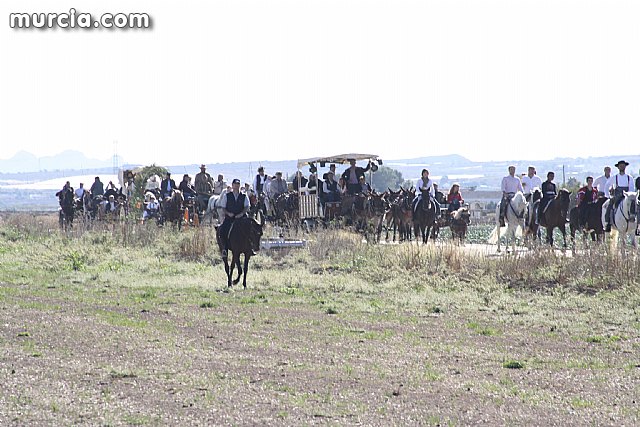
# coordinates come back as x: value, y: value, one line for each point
x: 218, y: 81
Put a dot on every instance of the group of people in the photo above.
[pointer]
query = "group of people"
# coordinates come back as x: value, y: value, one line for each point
x: 110, y: 198
x: 426, y: 186
x: 606, y: 185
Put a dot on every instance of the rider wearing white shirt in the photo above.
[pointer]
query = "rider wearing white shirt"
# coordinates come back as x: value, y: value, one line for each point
x: 511, y: 184
x: 600, y: 182
x: 620, y: 183
x: 530, y: 181
x: 425, y: 185
x: 80, y: 191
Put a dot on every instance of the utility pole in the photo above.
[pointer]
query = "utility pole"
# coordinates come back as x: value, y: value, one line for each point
x: 115, y: 164
x: 564, y: 184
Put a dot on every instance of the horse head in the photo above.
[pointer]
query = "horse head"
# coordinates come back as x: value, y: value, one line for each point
x: 255, y: 232
x: 519, y: 204
x: 378, y: 203
x: 630, y: 204
x: 462, y: 214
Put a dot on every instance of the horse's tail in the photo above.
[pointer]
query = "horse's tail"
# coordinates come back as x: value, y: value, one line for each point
x: 613, y: 239
x: 493, y: 237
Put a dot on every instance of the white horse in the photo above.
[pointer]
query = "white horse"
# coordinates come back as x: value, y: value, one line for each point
x: 514, y: 217
x: 624, y: 218
x: 213, y: 209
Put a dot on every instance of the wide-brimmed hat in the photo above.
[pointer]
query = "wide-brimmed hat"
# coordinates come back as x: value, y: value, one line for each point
x: 622, y: 162
x: 203, y: 166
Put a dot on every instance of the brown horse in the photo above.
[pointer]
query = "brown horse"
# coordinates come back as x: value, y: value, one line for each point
x: 458, y: 223
x: 286, y: 209
x: 173, y: 209
x: 555, y: 216
x: 244, y: 238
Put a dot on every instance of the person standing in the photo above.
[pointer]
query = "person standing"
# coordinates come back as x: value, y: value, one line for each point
x: 510, y: 185
x: 203, y: 184
x: 351, y: 176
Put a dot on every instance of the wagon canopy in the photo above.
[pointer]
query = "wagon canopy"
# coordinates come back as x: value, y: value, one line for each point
x: 339, y: 158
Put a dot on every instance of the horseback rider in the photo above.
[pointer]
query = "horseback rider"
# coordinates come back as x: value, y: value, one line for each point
x: 219, y: 185
x: 426, y: 186
x: 620, y: 183
x: 203, y: 184
x: 187, y: 189
x: 63, y: 195
x: 234, y: 204
x: 530, y: 181
x: 600, y: 182
x: 330, y: 188
x: 587, y: 195
x: 97, y: 188
x: 260, y: 181
x: 510, y: 185
x: 454, y: 198
x: 549, y: 192
x: 80, y: 191
x: 351, y: 176
x: 167, y: 185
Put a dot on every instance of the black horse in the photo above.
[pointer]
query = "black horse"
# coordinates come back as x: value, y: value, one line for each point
x: 67, y: 204
x: 592, y: 226
x: 424, y: 217
x: 244, y: 238
x: 555, y: 215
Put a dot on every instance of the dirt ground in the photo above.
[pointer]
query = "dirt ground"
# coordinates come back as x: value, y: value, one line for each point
x: 262, y: 358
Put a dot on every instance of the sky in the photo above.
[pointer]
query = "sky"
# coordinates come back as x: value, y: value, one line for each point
x: 237, y: 80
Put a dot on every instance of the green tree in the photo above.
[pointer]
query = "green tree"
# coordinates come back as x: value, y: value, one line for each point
x: 386, y: 177
x: 142, y: 175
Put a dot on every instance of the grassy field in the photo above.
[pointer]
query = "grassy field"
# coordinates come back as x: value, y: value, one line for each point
x: 134, y: 326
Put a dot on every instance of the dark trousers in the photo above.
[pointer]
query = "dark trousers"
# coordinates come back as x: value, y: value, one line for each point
x: 223, y: 232
x: 354, y: 189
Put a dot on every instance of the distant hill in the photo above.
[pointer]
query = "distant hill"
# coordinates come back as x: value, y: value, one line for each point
x: 23, y: 161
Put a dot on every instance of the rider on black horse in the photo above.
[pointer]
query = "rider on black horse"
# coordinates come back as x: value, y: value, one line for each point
x: 587, y: 195
x: 549, y: 192
x: 234, y: 205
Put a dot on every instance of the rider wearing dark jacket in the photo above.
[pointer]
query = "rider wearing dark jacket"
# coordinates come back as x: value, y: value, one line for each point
x: 97, y: 188
x: 187, y: 189
x: 167, y: 185
x: 234, y: 205
x: 549, y: 192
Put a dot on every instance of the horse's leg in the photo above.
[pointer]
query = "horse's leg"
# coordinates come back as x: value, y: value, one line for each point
x: 427, y: 231
x: 246, y: 268
x: 236, y: 261
x: 227, y: 269
x: 549, y: 235
x: 563, y: 230
x: 498, y: 232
